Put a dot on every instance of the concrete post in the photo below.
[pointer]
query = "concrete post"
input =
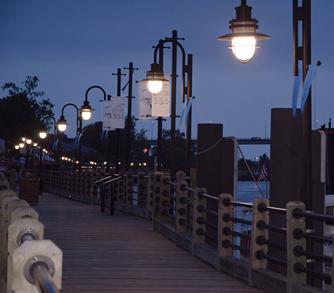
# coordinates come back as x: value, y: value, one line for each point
x: 258, y: 216
x: 181, y: 195
x: 150, y: 189
x: 225, y: 227
x: 22, y: 259
x: 129, y: 191
x: 199, y: 228
x: 293, y: 224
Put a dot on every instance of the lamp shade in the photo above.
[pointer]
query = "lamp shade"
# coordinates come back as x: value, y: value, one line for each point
x: 86, y: 111
x: 155, y: 79
x: 244, y: 36
x: 62, y: 124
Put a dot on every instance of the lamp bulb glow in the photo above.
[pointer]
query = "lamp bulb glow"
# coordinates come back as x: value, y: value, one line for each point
x: 154, y: 86
x: 244, y: 48
x: 42, y: 135
x: 28, y: 141
x: 62, y: 126
x: 86, y: 114
x: 17, y: 146
x: 21, y: 145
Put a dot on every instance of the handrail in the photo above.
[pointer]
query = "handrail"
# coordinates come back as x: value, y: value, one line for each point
x: 103, y: 179
x: 41, y: 275
x: 113, y: 180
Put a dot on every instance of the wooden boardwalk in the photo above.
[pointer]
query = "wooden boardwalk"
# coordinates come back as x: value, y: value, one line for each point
x: 123, y: 254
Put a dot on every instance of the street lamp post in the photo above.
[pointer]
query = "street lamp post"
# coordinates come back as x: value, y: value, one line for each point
x: 131, y: 70
x: 62, y: 124
x: 88, y: 108
x: 186, y: 90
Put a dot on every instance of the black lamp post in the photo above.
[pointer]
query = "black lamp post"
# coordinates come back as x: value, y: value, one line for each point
x: 62, y: 124
x: 131, y: 70
x: 155, y: 77
x: 86, y: 109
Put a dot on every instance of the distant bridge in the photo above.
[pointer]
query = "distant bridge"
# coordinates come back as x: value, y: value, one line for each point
x: 241, y: 141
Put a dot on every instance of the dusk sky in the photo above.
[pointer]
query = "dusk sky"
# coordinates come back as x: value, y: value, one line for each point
x: 73, y: 44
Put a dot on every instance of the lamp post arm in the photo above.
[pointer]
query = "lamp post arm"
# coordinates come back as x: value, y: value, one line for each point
x: 79, y: 121
x: 159, y: 47
x: 95, y: 87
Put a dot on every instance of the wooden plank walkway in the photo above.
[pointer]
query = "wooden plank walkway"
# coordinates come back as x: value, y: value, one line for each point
x: 123, y: 254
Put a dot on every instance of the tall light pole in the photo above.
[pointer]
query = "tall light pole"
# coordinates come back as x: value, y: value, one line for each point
x: 89, y: 108
x: 131, y: 70
x: 186, y: 90
x: 62, y: 124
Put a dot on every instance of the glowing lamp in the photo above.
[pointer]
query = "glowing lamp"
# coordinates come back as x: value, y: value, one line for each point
x: 155, y: 79
x: 86, y: 111
x: 62, y: 124
x: 244, y: 36
x: 42, y: 134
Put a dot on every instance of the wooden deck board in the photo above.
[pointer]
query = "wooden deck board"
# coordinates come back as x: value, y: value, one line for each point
x: 123, y: 254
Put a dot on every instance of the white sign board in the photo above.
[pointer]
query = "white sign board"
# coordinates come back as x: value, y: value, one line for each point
x: 154, y: 105
x: 114, y: 113
x: 145, y: 101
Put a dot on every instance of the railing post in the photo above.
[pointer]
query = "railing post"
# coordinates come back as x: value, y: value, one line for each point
x: 157, y: 190
x: 257, y: 248
x: 293, y: 224
x: 181, y: 203
x: 129, y: 190
x: 225, y: 228
x: 112, y: 199
x: 142, y: 190
x: 164, y: 195
x: 103, y: 197
x: 150, y: 192
x: 199, y: 217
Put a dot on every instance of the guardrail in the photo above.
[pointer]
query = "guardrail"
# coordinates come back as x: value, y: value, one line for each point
x: 28, y: 263
x: 232, y: 236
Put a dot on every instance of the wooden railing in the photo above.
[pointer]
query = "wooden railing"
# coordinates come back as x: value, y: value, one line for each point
x: 209, y: 226
x: 28, y: 262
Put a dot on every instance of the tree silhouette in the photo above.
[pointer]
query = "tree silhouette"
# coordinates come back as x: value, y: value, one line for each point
x: 23, y: 111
